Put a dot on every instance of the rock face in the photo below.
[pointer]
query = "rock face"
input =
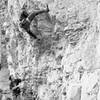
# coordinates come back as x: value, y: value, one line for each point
x: 64, y: 64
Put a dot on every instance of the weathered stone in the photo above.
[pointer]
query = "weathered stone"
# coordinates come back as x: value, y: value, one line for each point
x: 67, y: 54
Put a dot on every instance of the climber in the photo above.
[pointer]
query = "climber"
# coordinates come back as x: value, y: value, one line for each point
x: 14, y: 87
x: 26, y: 19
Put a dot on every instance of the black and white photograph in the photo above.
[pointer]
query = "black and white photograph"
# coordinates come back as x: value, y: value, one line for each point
x: 49, y: 49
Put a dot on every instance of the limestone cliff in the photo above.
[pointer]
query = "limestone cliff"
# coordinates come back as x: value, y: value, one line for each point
x: 64, y: 64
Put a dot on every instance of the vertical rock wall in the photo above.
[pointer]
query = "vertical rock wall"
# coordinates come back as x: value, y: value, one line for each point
x: 64, y: 63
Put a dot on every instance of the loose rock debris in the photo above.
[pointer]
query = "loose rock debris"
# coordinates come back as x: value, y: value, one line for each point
x: 62, y: 63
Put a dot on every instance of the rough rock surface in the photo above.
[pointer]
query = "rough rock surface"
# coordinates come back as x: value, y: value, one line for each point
x: 64, y: 64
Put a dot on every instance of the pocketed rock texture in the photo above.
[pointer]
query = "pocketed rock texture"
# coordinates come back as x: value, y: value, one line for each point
x: 64, y: 64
